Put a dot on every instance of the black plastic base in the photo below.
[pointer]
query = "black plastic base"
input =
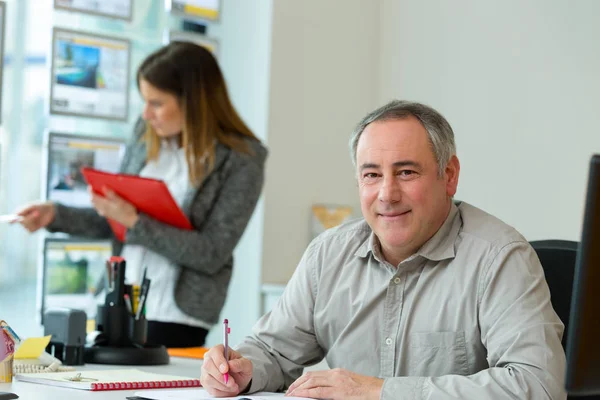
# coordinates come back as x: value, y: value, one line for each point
x: 148, y: 355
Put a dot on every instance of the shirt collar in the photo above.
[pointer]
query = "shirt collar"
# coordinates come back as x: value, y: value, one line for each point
x: 367, y: 246
x: 441, y: 244
x: 439, y: 247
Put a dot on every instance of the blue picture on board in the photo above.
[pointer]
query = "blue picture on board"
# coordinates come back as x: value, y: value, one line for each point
x: 77, y: 65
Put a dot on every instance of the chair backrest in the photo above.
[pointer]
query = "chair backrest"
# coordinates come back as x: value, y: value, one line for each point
x: 558, y: 259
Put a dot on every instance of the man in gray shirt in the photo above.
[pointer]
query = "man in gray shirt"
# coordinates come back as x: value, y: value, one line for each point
x: 424, y: 298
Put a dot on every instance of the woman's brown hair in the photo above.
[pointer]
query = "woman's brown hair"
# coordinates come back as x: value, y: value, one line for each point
x: 191, y: 73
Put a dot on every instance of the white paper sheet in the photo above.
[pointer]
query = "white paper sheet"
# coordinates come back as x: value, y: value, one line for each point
x: 201, y: 394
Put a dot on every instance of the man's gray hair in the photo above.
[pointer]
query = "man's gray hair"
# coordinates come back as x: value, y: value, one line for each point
x: 438, y: 129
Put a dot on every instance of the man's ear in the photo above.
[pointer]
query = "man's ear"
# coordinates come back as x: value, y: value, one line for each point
x: 451, y: 173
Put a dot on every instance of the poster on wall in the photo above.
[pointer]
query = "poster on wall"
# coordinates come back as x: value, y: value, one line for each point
x: 121, y: 9
x: 67, y: 154
x: 203, y: 9
x: 73, y: 273
x: 2, y: 29
x: 202, y: 40
x: 90, y: 75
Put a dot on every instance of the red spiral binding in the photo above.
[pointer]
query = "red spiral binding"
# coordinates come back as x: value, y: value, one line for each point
x: 144, y: 385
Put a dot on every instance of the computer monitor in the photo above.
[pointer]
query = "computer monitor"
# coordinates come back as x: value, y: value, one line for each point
x: 67, y: 154
x: 583, y: 345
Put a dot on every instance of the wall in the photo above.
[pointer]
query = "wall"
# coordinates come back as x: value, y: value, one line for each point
x: 519, y: 83
x: 323, y: 80
x: 244, y: 34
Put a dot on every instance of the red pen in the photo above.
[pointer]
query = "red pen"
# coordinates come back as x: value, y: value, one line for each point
x: 226, y: 331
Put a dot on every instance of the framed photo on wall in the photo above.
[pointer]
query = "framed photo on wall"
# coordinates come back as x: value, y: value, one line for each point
x: 72, y: 273
x: 120, y: 9
x: 90, y: 75
x: 67, y: 154
x: 326, y: 216
x: 208, y: 10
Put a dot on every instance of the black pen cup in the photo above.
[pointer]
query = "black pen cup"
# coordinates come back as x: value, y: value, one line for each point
x: 138, y: 330
x: 114, y: 321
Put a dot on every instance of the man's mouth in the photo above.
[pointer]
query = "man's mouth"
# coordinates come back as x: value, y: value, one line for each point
x: 394, y: 214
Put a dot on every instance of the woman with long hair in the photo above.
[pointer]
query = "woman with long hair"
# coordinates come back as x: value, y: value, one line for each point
x: 191, y: 137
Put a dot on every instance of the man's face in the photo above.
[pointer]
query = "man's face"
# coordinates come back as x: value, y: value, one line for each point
x: 402, y: 196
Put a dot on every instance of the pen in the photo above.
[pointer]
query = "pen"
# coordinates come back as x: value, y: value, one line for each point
x: 10, y: 218
x: 128, y: 303
x: 226, y: 331
x: 143, y: 297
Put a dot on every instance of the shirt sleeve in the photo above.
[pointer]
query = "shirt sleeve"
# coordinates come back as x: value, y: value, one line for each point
x: 520, y: 330
x: 80, y: 222
x: 284, y: 340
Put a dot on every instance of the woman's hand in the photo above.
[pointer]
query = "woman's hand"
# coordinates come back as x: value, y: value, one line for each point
x: 114, y: 207
x: 36, y: 215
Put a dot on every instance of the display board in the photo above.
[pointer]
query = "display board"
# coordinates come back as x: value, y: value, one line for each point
x: 90, y: 75
x: 67, y: 154
x: 73, y: 272
x: 204, y: 9
x: 121, y: 9
x: 182, y: 36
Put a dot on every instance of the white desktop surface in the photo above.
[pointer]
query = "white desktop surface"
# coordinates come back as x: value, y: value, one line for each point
x: 187, y: 367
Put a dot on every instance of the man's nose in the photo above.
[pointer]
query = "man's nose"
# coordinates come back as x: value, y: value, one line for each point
x: 389, y: 192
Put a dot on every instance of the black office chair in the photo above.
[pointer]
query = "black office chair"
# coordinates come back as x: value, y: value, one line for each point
x: 558, y: 258
x: 558, y: 261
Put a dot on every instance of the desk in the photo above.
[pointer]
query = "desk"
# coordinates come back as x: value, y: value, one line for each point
x: 29, y: 391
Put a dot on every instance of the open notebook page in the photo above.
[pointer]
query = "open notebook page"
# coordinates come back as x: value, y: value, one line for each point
x: 201, y: 394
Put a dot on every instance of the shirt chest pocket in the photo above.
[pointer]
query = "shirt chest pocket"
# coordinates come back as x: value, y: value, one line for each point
x: 437, y: 353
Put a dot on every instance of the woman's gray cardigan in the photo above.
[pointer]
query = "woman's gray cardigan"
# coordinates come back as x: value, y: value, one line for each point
x: 219, y: 211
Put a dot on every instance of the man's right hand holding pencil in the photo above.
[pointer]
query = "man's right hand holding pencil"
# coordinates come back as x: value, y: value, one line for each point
x: 215, y: 365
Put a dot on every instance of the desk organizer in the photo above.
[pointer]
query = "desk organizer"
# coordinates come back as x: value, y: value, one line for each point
x: 123, y: 333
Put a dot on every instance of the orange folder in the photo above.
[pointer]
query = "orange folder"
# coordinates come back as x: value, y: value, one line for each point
x: 149, y: 196
x: 187, y: 352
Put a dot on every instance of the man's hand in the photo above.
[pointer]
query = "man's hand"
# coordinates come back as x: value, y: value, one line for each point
x: 215, y: 365
x: 114, y: 207
x: 336, y: 384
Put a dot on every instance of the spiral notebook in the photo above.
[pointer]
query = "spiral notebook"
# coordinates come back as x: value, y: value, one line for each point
x: 116, y: 379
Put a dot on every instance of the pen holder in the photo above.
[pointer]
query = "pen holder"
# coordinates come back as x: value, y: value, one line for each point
x: 120, y: 327
x: 125, y: 340
x: 114, y: 322
x: 138, y: 330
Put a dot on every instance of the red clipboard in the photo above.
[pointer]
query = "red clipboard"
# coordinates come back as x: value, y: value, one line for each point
x: 150, y: 196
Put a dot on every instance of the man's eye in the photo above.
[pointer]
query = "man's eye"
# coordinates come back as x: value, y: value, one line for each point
x: 370, y: 175
x: 406, y: 172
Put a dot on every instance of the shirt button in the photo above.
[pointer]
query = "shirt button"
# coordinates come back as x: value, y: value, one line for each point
x: 388, y: 341
x: 397, y: 280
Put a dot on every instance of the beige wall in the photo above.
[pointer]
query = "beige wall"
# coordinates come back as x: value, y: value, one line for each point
x: 324, y: 63
x: 519, y: 82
